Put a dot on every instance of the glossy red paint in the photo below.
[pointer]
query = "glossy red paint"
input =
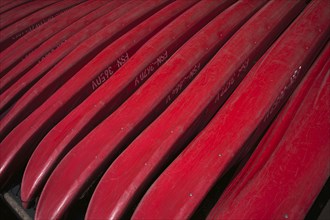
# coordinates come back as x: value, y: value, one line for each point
x: 24, y: 138
x: 30, y: 69
x: 152, y: 99
x: 291, y: 163
x: 70, y: 66
x: 181, y: 29
x: 22, y: 48
x: 240, y: 122
x: 22, y: 11
x: 15, y: 31
x: 108, y: 94
x: 54, y: 146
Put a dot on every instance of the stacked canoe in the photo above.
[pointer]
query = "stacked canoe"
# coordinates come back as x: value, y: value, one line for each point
x: 163, y: 109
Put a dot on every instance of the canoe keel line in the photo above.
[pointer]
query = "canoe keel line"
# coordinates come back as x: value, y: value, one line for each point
x: 140, y: 109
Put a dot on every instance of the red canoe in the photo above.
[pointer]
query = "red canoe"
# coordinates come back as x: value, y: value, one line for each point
x: 57, y: 143
x: 17, y: 52
x: 79, y: 84
x: 22, y: 11
x: 20, y: 28
x: 83, y: 119
x: 23, y: 139
x: 163, y: 44
x: 240, y: 122
x: 164, y: 109
x: 289, y: 167
x: 11, y: 93
x: 96, y: 149
x: 148, y: 102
